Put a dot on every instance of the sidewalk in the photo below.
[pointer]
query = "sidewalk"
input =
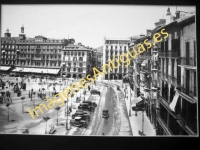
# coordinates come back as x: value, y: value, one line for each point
x: 136, y: 120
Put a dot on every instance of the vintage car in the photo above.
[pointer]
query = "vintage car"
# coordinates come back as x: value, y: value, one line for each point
x: 105, y: 114
x: 95, y: 92
x: 82, y: 113
x: 86, y: 106
x: 91, y: 103
x: 79, y: 121
x: 140, y: 106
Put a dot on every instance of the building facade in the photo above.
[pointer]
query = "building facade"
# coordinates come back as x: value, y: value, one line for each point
x: 114, y: 48
x: 77, y: 60
x: 38, y: 52
x: 99, y: 57
x: 166, y: 77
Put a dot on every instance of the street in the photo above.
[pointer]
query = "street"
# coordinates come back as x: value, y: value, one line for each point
x: 19, y: 118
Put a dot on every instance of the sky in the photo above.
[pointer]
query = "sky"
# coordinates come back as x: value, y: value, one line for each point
x: 87, y: 24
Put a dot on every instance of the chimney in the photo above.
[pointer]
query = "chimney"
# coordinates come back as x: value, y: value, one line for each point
x: 162, y: 21
x: 157, y: 24
x: 148, y: 32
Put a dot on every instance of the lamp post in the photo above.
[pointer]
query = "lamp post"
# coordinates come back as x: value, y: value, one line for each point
x: 22, y: 98
x: 67, y: 117
x: 65, y: 107
x: 84, y: 94
x: 31, y: 94
x: 7, y: 105
x: 46, y: 119
x: 57, y: 108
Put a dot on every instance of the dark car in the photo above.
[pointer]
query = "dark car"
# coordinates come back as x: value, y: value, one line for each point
x: 140, y: 106
x: 95, y: 92
x: 79, y: 121
x: 105, y: 114
x: 86, y: 106
x: 91, y: 103
x: 83, y: 114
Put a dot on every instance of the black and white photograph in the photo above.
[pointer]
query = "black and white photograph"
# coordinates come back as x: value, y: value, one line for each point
x: 98, y: 70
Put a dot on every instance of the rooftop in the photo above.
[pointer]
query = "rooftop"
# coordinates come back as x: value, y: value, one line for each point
x: 75, y: 47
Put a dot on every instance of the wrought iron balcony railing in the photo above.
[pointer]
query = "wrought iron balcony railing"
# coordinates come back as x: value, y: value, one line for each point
x: 169, y: 54
x: 188, y: 61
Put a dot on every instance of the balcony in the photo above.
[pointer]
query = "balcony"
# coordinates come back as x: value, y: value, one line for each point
x: 188, y: 61
x: 168, y: 54
x: 163, y: 125
x: 187, y: 93
x: 37, y: 58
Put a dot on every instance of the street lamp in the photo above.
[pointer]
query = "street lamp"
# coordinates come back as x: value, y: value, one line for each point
x: 84, y: 94
x: 22, y: 98
x: 67, y: 117
x: 46, y: 119
x: 7, y: 105
x: 57, y: 108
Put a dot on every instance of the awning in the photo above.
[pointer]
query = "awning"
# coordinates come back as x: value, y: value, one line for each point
x: 36, y: 70
x: 144, y: 62
x: 17, y: 69
x: 125, y: 76
x: 172, y: 105
x: 4, y: 68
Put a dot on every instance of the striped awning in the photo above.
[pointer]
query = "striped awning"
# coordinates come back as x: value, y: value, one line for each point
x: 144, y: 62
x: 36, y: 70
x: 4, y: 68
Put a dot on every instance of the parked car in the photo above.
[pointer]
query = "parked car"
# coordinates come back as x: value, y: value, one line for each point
x: 80, y: 121
x: 86, y: 106
x: 91, y: 103
x: 140, y: 106
x: 95, y: 92
x: 82, y: 113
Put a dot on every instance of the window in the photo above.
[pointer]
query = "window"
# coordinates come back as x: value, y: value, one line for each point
x: 68, y: 69
x: 74, y: 69
x: 74, y: 59
x: 124, y: 48
x: 81, y: 65
x: 80, y: 70
x: 116, y: 47
x: 75, y: 53
x: 74, y: 64
x: 80, y: 58
x: 64, y: 53
x: 68, y: 53
x: 72, y: 53
x: 79, y: 53
x: 83, y: 53
x: 69, y: 64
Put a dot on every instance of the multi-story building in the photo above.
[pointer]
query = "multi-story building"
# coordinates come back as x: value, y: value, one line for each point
x: 9, y: 49
x: 76, y: 60
x: 114, y: 48
x: 38, y: 52
x: 99, y: 57
x: 187, y: 88
x: 168, y: 77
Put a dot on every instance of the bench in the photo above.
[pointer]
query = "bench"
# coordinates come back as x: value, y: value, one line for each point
x: 52, y: 130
